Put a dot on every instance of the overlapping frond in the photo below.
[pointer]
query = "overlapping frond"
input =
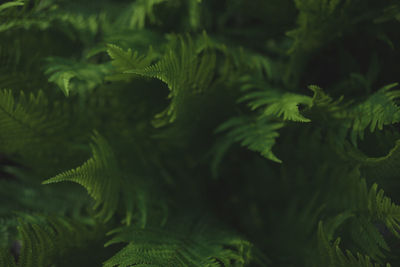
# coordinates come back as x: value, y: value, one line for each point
x: 180, y: 245
x: 185, y: 69
x: 276, y: 103
x: 332, y: 255
x: 256, y: 134
x: 44, y: 242
x: 387, y: 166
x: 127, y: 60
x: 378, y: 110
x: 135, y: 15
x: 76, y: 77
x: 23, y: 121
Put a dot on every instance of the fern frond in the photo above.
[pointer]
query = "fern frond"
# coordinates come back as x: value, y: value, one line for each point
x: 383, y: 209
x: 277, y: 103
x: 23, y: 122
x: 42, y: 243
x: 379, y: 167
x: 134, y: 17
x: 99, y: 175
x: 378, y: 110
x: 78, y: 77
x: 366, y: 235
x: 106, y: 184
x: 331, y: 254
x: 257, y: 134
x: 185, y: 70
x: 10, y: 4
x: 179, y: 245
x: 127, y: 60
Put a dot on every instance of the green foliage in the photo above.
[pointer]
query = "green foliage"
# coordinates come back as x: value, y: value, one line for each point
x: 277, y: 103
x: 43, y: 242
x: 179, y: 245
x: 258, y: 135
x: 22, y: 122
x: 333, y: 256
x: 101, y: 177
x: 184, y: 91
x: 376, y: 111
x: 186, y: 69
x: 77, y: 77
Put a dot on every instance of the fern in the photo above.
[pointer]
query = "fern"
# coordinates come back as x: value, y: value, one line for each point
x: 43, y: 242
x: 383, y: 209
x: 78, y: 77
x: 258, y: 135
x: 378, y: 167
x: 277, y: 103
x: 185, y: 71
x: 332, y: 255
x: 10, y: 4
x: 22, y: 122
x: 123, y: 61
x: 170, y: 100
x: 179, y: 245
x: 135, y: 15
x: 101, y: 177
x: 378, y: 110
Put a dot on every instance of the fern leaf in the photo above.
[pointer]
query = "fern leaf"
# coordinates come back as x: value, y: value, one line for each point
x: 199, y: 246
x: 258, y: 135
x: 22, y: 121
x: 186, y: 72
x: 79, y: 77
x: 135, y: 15
x: 365, y: 234
x: 44, y: 242
x: 331, y: 255
x: 378, y: 110
x: 11, y: 4
x: 379, y: 167
x: 277, y: 104
x: 99, y: 175
x: 127, y: 60
x: 383, y: 209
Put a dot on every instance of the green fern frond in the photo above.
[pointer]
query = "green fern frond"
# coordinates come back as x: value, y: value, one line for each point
x: 44, y: 242
x: 179, y: 245
x: 318, y: 20
x: 331, y: 254
x: 383, y: 209
x: 106, y: 184
x: 376, y: 111
x: 185, y: 70
x: 23, y: 122
x: 10, y: 4
x: 256, y: 134
x: 323, y: 100
x: 100, y: 176
x: 277, y: 104
x: 366, y: 235
x: 378, y: 167
x: 127, y: 60
x: 77, y: 77
x: 134, y: 17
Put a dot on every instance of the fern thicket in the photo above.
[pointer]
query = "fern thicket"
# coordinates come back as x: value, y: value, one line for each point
x: 199, y: 133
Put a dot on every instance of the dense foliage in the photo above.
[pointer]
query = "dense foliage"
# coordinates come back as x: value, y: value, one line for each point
x: 199, y: 133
